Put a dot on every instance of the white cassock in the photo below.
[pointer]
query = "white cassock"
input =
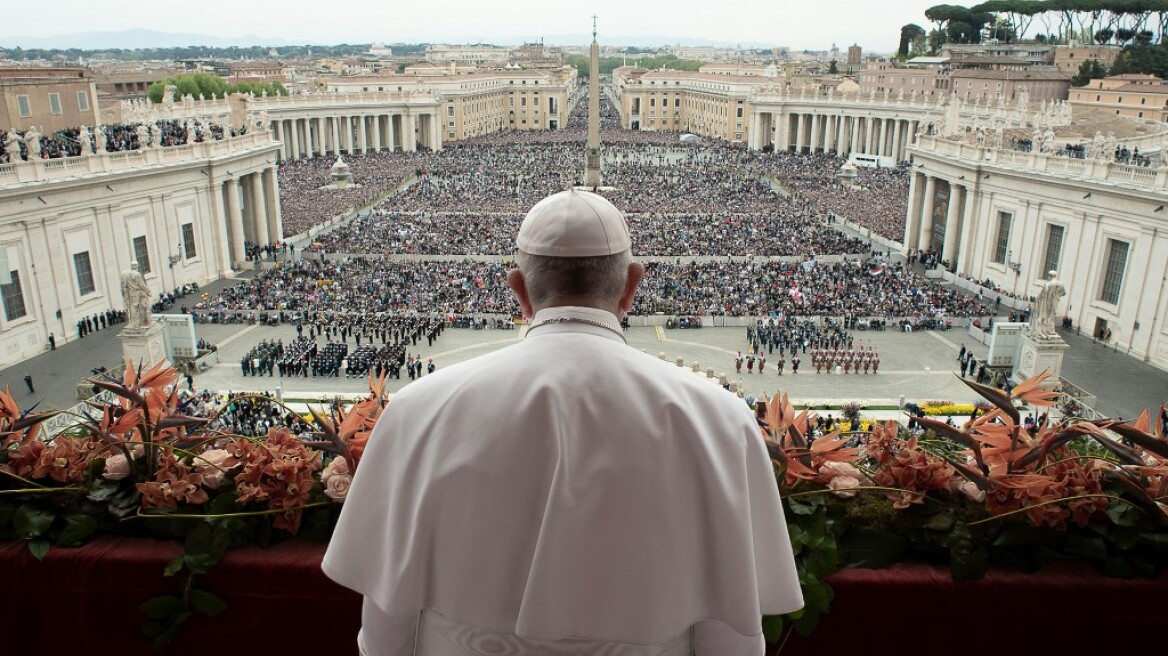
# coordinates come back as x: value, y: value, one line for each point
x: 565, y: 495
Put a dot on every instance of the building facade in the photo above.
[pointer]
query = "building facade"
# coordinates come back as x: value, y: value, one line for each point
x: 49, y: 98
x: 1011, y: 217
x: 1132, y: 95
x: 69, y: 227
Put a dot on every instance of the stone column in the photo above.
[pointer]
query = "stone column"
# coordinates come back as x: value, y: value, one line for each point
x: 926, y: 235
x: 437, y: 127
x: 965, y: 243
x: 362, y: 134
x: 259, y: 214
x: 279, y: 134
x: 896, y: 140
x: 295, y: 123
x: 815, y: 133
x: 882, y: 134
x: 410, y: 133
x: 952, y: 228
x: 852, y: 144
x: 222, y: 229
x: 349, y: 134
x: 234, y: 222
x: 272, y: 199
x: 752, y: 141
x: 319, y: 142
x: 389, y: 134
x: 798, y: 133
x: 829, y: 133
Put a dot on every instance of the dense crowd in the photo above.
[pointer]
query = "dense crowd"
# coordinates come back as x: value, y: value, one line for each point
x: 115, y: 137
x: 361, y: 290
x: 878, y: 201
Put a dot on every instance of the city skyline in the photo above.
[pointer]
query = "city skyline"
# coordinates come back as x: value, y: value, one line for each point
x: 299, y: 22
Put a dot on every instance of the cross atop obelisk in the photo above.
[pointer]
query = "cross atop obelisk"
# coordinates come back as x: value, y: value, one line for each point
x: 592, y: 152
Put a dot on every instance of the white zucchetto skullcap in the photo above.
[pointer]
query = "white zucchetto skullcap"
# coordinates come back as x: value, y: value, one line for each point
x: 574, y: 224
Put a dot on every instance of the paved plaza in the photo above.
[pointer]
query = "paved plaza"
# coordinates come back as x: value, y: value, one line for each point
x: 919, y: 366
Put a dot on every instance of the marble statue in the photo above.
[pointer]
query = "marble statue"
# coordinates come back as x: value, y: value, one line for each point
x: 1048, y: 140
x: 143, y: 136
x: 1098, y: 149
x: 32, y: 141
x: 84, y: 142
x: 1045, y: 307
x: 99, y: 139
x: 136, y: 295
x: 11, y: 147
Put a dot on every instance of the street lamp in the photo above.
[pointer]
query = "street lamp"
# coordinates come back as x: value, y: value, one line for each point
x: 1014, y: 266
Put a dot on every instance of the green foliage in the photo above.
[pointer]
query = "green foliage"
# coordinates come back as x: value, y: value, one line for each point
x: 210, y: 86
x: 1088, y: 70
x: 608, y: 64
x: 1143, y: 58
x: 909, y: 34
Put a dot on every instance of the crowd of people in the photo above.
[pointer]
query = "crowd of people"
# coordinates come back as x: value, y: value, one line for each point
x: 24, y: 145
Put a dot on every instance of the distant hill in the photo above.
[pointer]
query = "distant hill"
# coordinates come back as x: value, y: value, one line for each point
x: 137, y: 38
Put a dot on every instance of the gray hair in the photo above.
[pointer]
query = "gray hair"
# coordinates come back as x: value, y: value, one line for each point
x: 600, y: 277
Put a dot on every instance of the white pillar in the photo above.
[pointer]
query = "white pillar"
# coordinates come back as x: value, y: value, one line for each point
x: 798, y: 133
x: 882, y: 147
x: 912, y: 221
x: 296, y: 154
x: 348, y: 123
x: 828, y: 133
x: 390, y: 136
x: 259, y: 211
x: 952, y: 229
x: 814, y: 132
x: 376, y: 132
x: 320, y: 132
x: 362, y: 134
x: 234, y: 222
x: 925, y: 237
x: 222, y: 229
x: 437, y: 127
x: 896, y: 140
x: 855, y: 134
x: 272, y: 199
x: 278, y: 133
x: 410, y: 138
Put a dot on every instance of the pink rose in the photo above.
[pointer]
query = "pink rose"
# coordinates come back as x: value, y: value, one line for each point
x: 832, y: 468
x: 215, y: 459
x: 337, y: 487
x: 844, y: 486
x: 336, y: 466
x: 117, y: 467
x: 970, y: 489
x: 213, y: 478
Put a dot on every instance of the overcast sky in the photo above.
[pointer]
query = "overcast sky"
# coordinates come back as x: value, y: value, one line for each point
x: 800, y: 24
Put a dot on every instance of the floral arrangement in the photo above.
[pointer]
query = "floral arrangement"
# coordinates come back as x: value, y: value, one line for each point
x: 948, y: 409
x: 137, y: 466
x: 987, y: 492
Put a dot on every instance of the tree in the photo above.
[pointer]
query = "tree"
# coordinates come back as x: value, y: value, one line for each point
x: 1089, y: 70
x: 908, y: 35
x: 833, y: 69
x: 210, y: 86
x: 1104, y: 35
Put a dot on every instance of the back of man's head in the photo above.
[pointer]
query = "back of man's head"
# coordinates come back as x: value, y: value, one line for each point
x: 574, y: 245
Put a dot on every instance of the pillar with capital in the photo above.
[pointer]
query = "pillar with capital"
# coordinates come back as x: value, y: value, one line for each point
x: 882, y: 148
x: 281, y: 154
x: 295, y: 125
x: 362, y: 134
x: 376, y: 125
x: 853, y: 144
x: 814, y: 133
x: 390, y: 136
x: 829, y: 133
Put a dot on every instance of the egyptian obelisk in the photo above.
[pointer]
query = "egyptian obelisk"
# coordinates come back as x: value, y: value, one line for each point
x: 592, y: 169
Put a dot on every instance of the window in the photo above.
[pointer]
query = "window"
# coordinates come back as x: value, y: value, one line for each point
x: 1054, y: 250
x: 142, y: 255
x: 1113, y: 275
x: 13, y: 297
x: 677, y: 102
x: 83, y: 101
x: 188, y: 232
x: 23, y: 106
x: 1003, y: 239
x: 450, y: 110
x: 84, y: 271
x: 54, y: 103
x: 739, y: 112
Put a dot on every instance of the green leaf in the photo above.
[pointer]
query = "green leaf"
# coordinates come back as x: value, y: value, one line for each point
x: 77, y: 529
x: 1117, y: 567
x: 1019, y: 535
x: 200, y: 563
x: 174, y: 566
x: 1123, y: 514
x: 803, y: 505
x: 103, y: 490
x: 772, y: 628
x: 942, y: 521
x: 871, y: 548
x: 1090, y: 547
x: 32, y: 521
x: 825, y: 559
x: 798, y: 537
x: 167, y: 635
x: 224, y: 503
x: 1157, y: 542
x: 207, y: 603
x: 39, y: 547
x: 159, y: 608
x: 805, y: 624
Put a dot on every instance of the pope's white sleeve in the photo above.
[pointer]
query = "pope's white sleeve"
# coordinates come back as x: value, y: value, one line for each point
x: 385, y: 635
x: 714, y: 638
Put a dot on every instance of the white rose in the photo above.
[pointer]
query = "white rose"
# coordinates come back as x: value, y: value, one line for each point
x: 117, y: 467
x: 337, y: 487
x: 844, y: 487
